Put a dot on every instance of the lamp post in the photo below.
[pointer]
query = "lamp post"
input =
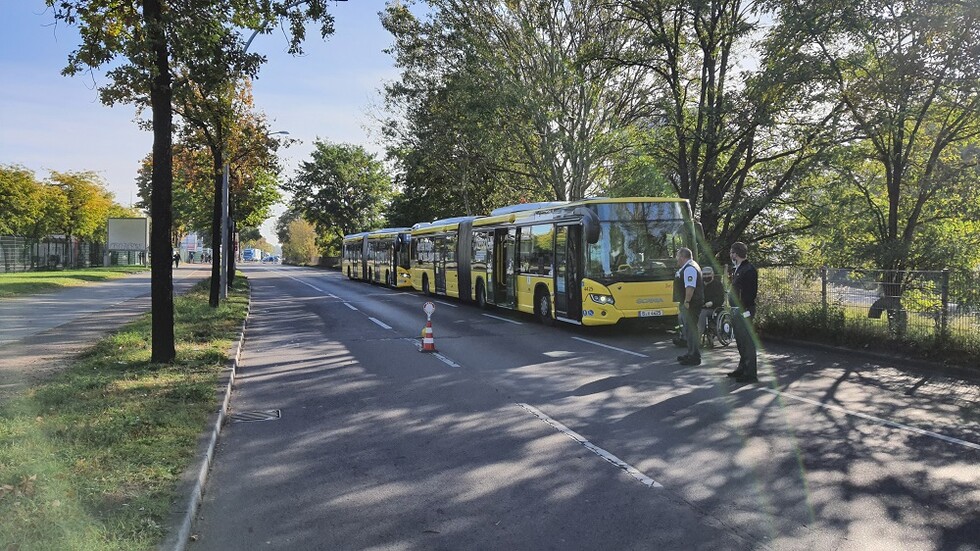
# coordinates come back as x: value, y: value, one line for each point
x: 225, y: 222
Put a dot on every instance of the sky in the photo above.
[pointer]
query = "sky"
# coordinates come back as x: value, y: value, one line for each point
x: 51, y: 122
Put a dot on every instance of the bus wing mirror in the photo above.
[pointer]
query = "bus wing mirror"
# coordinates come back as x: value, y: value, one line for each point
x: 590, y: 224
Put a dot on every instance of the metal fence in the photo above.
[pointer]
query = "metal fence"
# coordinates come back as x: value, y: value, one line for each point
x: 21, y: 254
x: 912, y: 309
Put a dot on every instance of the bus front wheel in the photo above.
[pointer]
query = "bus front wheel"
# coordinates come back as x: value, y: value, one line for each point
x: 544, y: 308
x: 481, y: 294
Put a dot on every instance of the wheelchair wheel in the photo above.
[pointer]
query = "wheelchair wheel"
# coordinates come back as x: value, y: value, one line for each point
x: 724, y: 329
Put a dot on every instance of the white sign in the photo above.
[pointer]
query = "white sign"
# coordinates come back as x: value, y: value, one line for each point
x: 128, y: 234
x: 429, y: 308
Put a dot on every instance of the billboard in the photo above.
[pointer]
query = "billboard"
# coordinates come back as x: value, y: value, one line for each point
x: 128, y: 234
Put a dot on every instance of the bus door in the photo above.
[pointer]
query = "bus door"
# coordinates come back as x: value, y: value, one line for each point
x: 504, y: 254
x: 561, y: 271
x: 568, y: 276
x: 440, y: 264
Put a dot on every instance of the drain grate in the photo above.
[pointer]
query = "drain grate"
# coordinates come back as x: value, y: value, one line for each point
x: 252, y: 416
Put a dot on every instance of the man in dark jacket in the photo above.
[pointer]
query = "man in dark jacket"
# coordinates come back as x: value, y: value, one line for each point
x: 745, y: 287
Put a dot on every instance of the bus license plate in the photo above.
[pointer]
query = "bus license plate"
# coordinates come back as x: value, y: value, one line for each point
x: 651, y: 313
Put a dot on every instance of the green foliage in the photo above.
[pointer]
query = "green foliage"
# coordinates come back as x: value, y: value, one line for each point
x: 74, y: 203
x: 88, y: 203
x: 342, y: 189
x: 908, y: 76
x: 299, y: 242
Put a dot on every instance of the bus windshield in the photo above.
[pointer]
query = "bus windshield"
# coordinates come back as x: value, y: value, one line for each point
x: 637, y: 242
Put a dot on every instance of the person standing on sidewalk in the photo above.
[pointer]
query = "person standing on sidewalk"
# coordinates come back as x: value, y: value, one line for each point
x: 745, y: 287
x: 689, y: 294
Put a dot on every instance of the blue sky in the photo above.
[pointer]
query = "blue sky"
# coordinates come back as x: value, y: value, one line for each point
x: 51, y: 122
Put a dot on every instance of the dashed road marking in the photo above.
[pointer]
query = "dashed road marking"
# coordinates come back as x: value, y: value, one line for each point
x: 445, y: 360
x: 623, y: 350
x: 612, y: 459
x: 351, y: 306
x: 503, y: 319
x: 446, y: 303
x: 379, y: 322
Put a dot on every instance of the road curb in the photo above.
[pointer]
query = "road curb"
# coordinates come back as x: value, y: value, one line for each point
x: 924, y: 367
x: 190, y: 488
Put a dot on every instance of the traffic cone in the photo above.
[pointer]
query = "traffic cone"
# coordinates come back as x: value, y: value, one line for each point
x: 428, y: 343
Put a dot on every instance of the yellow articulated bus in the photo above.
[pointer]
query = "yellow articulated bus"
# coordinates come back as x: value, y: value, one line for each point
x: 379, y: 256
x: 589, y: 262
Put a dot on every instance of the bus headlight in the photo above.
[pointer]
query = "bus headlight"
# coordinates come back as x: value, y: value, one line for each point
x: 602, y: 299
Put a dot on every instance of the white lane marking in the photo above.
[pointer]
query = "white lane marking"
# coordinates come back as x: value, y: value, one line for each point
x: 331, y: 295
x: 446, y: 303
x: 612, y: 459
x: 874, y: 419
x: 415, y: 343
x: 503, y: 319
x: 445, y: 360
x: 442, y: 358
x: 301, y: 281
x: 351, y: 306
x: 623, y: 350
x: 379, y: 322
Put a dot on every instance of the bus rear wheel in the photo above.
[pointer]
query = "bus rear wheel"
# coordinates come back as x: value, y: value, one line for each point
x: 481, y: 294
x: 543, y: 308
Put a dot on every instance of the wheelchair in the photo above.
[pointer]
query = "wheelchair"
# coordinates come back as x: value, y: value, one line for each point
x: 718, y: 327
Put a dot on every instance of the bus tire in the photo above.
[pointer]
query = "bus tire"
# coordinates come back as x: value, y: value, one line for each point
x: 425, y: 286
x: 542, y: 307
x: 481, y: 294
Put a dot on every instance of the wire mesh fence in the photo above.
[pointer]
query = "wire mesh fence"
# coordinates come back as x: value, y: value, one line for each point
x: 937, y: 311
x: 22, y: 254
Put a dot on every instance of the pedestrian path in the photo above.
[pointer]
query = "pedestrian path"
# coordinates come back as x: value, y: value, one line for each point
x: 39, y: 332
x: 23, y: 317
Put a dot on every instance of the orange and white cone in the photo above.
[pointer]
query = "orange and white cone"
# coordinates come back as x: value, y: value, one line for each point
x: 428, y: 343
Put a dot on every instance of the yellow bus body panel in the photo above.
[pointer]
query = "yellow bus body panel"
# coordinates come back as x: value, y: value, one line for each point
x: 655, y: 298
x: 525, y: 286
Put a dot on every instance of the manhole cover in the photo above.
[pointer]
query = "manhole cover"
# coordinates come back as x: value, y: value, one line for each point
x: 252, y: 416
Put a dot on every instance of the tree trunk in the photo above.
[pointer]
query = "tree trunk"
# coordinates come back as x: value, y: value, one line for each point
x: 216, y: 233
x: 161, y: 195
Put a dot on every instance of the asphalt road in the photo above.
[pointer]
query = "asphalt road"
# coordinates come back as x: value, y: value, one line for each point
x: 519, y: 436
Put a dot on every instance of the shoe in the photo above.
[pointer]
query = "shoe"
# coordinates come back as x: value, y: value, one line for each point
x: 746, y: 379
x: 682, y: 358
x: 691, y: 360
x: 680, y: 343
x: 736, y: 373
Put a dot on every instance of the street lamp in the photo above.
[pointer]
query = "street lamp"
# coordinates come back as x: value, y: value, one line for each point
x: 225, y: 222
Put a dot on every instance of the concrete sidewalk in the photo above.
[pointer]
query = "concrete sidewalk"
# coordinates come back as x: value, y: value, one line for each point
x: 39, y: 332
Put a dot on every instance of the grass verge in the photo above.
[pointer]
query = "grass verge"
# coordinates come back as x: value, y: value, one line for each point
x: 90, y: 459
x: 28, y: 283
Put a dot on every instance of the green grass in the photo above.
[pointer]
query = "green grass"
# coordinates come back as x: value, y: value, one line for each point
x: 89, y: 460
x: 29, y: 283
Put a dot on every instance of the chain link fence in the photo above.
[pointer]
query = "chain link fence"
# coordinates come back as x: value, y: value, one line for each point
x: 934, y: 312
x: 21, y: 254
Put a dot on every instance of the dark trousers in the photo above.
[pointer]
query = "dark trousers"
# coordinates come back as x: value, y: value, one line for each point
x: 745, y: 340
x: 689, y: 329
